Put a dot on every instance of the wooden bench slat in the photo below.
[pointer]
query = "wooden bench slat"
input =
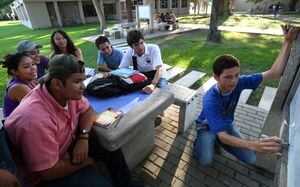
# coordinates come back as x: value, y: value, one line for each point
x: 267, y: 98
x: 207, y: 85
x: 174, y: 72
x: 190, y: 79
x: 245, y: 96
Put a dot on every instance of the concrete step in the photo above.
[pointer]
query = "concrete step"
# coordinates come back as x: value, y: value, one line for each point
x: 167, y: 66
x: 171, y: 73
x: 207, y: 85
x: 189, y: 79
x: 245, y: 96
x: 267, y: 98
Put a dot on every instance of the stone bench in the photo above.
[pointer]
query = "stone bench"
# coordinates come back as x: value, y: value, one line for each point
x: 167, y: 26
x: 112, y: 33
x: 187, y: 100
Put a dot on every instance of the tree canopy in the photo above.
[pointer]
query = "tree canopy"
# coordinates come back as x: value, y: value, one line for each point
x: 4, y: 3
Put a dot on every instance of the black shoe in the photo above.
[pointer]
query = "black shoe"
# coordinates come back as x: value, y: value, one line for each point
x: 218, y: 148
x: 157, y: 121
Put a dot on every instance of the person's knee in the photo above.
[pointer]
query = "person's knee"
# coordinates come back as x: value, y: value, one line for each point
x: 203, y: 159
x: 250, y: 158
x: 8, y: 179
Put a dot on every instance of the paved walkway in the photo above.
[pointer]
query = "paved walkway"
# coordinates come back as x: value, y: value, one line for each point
x: 189, y: 27
x: 171, y: 163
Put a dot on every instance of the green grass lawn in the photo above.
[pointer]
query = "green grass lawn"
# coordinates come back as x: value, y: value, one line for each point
x: 189, y: 50
x: 239, y: 20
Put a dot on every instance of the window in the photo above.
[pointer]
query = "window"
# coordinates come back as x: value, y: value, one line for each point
x: 184, y: 3
x: 109, y: 9
x: 123, y: 6
x: 163, y: 4
x: 136, y: 2
x: 89, y: 9
x: 174, y: 3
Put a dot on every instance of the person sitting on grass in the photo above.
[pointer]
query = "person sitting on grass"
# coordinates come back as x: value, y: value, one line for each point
x: 109, y: 58
x: 32, y: 50
x: 61, y: 43
x: 23, y: 72
x: 148, y: 60
x: 54, y: 145
x: 215, y: 123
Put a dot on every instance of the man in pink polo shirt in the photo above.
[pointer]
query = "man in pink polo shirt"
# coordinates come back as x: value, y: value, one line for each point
x: 50, y: 129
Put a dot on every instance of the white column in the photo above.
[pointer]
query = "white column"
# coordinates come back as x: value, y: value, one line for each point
x: 81, y: 12
x: 179, y: 7
x: 170, y: 5
x: 57, y: 14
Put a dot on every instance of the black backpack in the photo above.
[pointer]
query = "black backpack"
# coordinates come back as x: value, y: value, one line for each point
x: 113, y: 87
x: 104, y: 88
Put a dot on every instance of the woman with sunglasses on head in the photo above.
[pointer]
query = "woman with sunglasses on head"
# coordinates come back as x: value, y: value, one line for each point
x: 32, y: 50
x: 62, y: 44
x: 23, y: 71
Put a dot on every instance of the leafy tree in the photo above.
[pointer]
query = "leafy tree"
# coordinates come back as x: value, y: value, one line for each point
x: 99, y: 10
x: 214, y: 35
x: 219, y: 8
x: 4, y: 3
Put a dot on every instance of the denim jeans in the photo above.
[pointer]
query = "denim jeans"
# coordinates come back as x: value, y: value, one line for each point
x: 114, y: 161
x: 6, y: 160
x: 162, y: 84
x: 84, y: 177
x: 204, y: 147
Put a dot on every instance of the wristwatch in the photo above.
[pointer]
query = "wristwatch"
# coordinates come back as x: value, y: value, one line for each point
x: 84, y: 131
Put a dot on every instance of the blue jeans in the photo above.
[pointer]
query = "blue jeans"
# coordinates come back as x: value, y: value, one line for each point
x: 6, y: 160
x: 114, y: 161
x: 204, y: 147
x: 162, y: 84
x: 84, y: 177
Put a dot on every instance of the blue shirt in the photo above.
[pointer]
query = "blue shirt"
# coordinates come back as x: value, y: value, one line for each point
x: 113, y: 61
x: 218, y: 109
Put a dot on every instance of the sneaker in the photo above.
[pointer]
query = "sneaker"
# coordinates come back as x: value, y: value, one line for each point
x: 218, y: 148
x: 157, y: 121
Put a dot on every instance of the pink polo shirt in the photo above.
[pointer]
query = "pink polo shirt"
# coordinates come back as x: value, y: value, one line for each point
x: 41, y: 131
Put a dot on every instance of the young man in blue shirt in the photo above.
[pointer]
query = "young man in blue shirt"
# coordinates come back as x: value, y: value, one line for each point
x: 109, y: 57
x: 215, y: 123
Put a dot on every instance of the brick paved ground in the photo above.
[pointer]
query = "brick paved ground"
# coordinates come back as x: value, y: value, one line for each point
x: 171, y: 163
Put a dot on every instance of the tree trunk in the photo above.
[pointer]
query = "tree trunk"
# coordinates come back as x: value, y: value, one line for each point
x: 292, y: 5
x: 214, y: 35
x: 129, y: 11
x: 224, y: 8
x: 99, y: 10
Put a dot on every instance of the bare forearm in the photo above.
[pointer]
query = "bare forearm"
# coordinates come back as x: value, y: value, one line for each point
x: 62, y: 168
x: 157, y: 75
x: 86, y: 119
x: 103, y: 68
x: 236, y: 142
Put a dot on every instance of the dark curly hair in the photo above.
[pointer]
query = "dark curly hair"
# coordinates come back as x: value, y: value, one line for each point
x: 12, y: 61
x: 70, y: 44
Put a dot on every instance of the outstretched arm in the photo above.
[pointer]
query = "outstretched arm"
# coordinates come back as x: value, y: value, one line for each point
x: 265, y: 145
x: 290, y: 34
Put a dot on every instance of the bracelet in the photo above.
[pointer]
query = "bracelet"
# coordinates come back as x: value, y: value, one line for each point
x: 83, y: 138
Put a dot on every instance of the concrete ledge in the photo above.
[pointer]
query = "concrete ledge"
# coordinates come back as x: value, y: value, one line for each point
x: 134, y: 121
x: 186, y: 99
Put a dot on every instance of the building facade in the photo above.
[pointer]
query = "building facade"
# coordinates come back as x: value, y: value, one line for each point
x: 37, y: 14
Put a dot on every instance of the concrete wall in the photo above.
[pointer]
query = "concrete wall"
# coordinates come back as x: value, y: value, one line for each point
x: 38, y: 15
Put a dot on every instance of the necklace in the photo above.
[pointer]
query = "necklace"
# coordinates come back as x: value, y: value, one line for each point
x: 226, y: 111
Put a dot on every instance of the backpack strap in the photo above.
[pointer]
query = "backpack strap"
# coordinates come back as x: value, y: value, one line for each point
x: 134, y: 62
